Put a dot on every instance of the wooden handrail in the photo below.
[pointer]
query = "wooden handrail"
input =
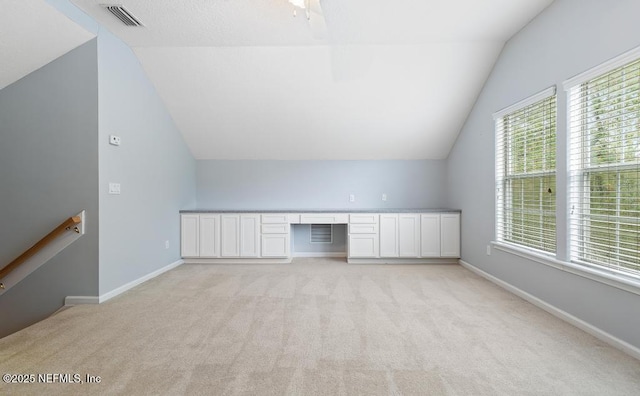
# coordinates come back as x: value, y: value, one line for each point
x: 65, y: 226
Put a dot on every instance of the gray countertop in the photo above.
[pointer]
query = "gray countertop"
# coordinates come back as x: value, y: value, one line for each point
x: 375, y: 210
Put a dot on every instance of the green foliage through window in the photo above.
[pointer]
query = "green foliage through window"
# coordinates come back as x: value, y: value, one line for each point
x: 526, y: 179
x: 605, y: 151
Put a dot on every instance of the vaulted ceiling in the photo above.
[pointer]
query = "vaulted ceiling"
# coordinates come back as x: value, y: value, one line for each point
x: 243, y: 79
x: 32, y: 34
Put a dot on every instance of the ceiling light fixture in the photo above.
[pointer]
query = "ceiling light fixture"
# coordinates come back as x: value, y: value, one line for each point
x: 302, y: 4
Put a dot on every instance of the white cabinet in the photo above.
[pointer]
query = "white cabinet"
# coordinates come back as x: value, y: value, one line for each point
x: 240, y: 235
x: 409, y: 235
x: 276, y: 236
x: 363, y: 245
x: 250, y: 235
x: 450, y: 235
x: 370, y: 236
x: 189, y: 236
x: 400, y: 235
x: 200, y: 235
x: 389, y: 235
x: 275, y: 245
x: 430, y: 235
x: 324, y: 218
x: 230, y: 235
x: 209, y: 235
x: 363, y: 236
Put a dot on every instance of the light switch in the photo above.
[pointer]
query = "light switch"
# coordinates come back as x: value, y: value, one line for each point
x: 114, y: 188
x: 384, y: 197
x: 352, y: 198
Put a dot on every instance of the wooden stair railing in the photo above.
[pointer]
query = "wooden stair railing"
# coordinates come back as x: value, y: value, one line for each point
x: 68, y: 225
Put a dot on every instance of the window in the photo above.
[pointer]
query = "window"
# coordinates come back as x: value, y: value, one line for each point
x: 526, y: 173
x: 604, y: 161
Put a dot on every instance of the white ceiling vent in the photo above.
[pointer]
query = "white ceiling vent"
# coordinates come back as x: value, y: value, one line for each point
x: 123, y: 15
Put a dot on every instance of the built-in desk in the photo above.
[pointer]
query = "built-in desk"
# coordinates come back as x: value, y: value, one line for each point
x: 374, y: 235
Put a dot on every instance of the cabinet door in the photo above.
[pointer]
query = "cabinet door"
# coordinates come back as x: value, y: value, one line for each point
x: 250, y: 236
x: 275, y: 245
x: 363, y: 245
x: 409, y: 235
x: 229, y: 235
x: 389, y: 235
x: 430, y: 238
x: 450, y: 235
x: 209, y: 235
x: 189, y: 231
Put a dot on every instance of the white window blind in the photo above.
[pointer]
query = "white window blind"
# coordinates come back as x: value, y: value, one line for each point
x: 604, y: 155
x: 526, y: 173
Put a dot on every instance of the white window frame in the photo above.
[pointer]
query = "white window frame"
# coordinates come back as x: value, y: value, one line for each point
x: 620, y: 280
x: 501, y: 176
x: 580, y: 168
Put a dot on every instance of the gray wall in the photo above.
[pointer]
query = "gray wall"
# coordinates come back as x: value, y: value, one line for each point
x: 320, y: 184
x: 568, y: 38
x: 153, y: 165
x: 49, y: 172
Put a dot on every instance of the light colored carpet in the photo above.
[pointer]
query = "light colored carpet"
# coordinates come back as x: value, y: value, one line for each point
x: 317, y: 327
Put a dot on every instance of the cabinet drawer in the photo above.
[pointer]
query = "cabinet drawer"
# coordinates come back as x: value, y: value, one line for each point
x: 363, y: 228
x: 324, y: 218
x: 363, y: 218
x: 275, y: 218
x: 275, y: 228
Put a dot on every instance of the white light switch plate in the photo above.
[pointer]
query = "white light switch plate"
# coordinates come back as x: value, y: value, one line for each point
x: 114, y: 188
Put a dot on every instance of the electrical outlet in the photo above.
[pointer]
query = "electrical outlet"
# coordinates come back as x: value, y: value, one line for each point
x: 114, y: 188
x: 384, y: 197
x: 352, y: 198
x: 114, y: 140
x: 166, y: 244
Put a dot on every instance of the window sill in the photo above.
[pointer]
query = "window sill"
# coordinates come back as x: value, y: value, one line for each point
x: 621, y: 281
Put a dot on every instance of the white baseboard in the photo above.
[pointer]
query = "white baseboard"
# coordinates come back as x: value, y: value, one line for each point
x: 238, y: 261
x: 319, y: 254
x: 557, y: 312
x: 77, y: 300
x: 406, y: 260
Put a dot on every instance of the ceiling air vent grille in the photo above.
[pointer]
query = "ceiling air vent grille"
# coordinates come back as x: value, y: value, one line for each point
x: 123, y: 15
x: 321, y: 233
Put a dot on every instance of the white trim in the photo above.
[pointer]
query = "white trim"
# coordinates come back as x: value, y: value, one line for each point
x: 602, y: 68
x: 557, y: 312
x: 406, y: 260
x: 525, y: 102
x: 237, y: 260
x: 320, y: 254
x: 77, y: 300
x: 621, y: 282
x: 115, y: 292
